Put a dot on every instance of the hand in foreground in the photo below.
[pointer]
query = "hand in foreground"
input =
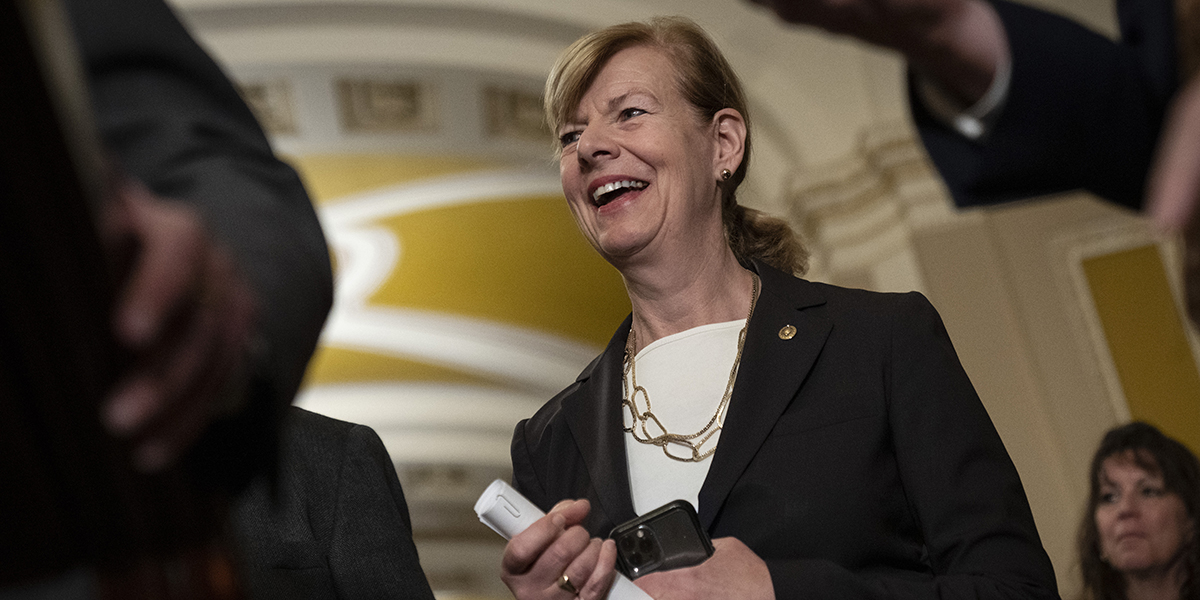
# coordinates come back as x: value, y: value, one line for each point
x: 185, y: 315
x: 957, y: 43
x: 1174, y: 186
x: 556, y: 545
x: 733, y: 571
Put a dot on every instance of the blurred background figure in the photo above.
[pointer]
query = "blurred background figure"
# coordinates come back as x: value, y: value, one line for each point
x: 222, y: 283
x: 230, y: 280
x: 1138, y: 539
x: 1014, y: 102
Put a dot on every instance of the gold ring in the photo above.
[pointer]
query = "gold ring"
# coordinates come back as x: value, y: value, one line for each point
x: 564, y: 584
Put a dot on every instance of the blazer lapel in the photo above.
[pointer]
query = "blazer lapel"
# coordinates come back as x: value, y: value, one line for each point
x: 770, y: 374
x: 594, y: 417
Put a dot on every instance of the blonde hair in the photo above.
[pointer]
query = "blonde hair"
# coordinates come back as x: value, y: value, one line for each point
x: 709, y: 84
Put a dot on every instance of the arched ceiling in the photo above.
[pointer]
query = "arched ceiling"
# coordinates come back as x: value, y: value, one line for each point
x: 811, y: 93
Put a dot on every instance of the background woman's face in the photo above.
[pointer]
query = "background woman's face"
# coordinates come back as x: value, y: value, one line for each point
x: 1142, y: 526
x: 637, y: 162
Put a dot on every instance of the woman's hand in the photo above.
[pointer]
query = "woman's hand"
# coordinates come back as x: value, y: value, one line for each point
x: 556, y: 545
x: 733, y: 571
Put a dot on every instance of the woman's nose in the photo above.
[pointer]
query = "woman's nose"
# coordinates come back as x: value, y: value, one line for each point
x: 1128, y: 504
x: 595, y: 144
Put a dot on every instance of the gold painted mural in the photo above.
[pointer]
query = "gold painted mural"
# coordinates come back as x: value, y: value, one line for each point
x: 447, y: 268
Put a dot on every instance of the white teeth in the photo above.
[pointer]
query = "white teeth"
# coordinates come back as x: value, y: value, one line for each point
x: 616, y: 185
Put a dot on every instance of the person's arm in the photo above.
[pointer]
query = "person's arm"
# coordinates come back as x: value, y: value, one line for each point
x: 1081, y: 110
x: 1174, y: 189
x: 175, y: 123
x: 958, y: 480
x: 961, y: 484
x: 958, y: 44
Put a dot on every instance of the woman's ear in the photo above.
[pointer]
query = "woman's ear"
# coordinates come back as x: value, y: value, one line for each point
x: 730, y: 130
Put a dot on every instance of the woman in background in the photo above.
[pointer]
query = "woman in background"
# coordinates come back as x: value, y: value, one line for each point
x: 829, y: 438
x: 1138, y: 539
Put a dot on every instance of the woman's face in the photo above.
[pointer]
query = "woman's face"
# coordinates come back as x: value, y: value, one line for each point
x: 638, y: 165
x: 1142, y: 526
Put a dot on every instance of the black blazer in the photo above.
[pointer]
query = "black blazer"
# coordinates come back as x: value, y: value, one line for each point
x: 1083, y: 111
x: 856, y: 458
x: 337, y: 525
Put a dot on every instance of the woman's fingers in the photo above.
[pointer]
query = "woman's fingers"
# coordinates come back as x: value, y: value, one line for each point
x: 603, y: 571
x: 525, y: 548
x: 531, y: 573
x: 572, y: 511
x: 536, y: 560
x: 565, y: 550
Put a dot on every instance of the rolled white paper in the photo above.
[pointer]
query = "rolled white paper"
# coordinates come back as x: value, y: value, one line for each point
x: 508, y: 513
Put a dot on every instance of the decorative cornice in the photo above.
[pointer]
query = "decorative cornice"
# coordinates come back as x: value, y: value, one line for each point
x: 514, y: 113
x: 857, y: 211
x: 375, y: 105
x: 271, y: 102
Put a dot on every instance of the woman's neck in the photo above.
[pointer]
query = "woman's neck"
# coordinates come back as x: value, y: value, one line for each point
x: 678, y: 297
x: 1162, y: 584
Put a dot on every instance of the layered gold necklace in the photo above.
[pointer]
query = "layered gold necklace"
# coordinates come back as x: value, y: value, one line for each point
x: 643, y: 421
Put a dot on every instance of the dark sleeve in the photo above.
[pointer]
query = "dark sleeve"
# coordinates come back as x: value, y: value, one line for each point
x: 173, y: 120
x: 959, y: 484
x: 525, y: 478
x: 1082, y: 111
x: 371, y: 551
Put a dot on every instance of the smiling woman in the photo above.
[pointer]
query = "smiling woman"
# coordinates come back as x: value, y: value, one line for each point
x: 829, y: 437
x: 1138, y: 538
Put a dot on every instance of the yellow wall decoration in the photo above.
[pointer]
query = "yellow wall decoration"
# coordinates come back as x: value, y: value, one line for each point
x: 333, y: 177
x: 468, y: 245
x: 520, y: 261
x: 1147, y: 341
x: 342, y: 365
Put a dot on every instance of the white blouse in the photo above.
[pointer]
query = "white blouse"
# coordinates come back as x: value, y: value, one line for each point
x: 685, y: 376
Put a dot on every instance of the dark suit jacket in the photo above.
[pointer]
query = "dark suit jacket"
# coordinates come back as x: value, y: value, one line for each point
x: 337, y: 525
x: 856, y: 458
x: 173, y: 120
x: 1083, y: 111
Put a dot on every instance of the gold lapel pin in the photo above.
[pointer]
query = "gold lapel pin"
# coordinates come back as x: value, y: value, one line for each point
x: 788, y: 332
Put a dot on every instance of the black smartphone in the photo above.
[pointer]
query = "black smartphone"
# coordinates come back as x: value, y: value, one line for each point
x: 668, y: 537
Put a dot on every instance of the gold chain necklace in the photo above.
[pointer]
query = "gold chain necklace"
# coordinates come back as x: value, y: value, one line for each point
x: 640, y: 420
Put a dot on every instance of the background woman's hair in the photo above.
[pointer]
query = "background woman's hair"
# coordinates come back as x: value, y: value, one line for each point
x: 707, y: 81
x: 1180, y: 471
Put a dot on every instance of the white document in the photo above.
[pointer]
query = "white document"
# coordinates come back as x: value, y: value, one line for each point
x: 508, y: 513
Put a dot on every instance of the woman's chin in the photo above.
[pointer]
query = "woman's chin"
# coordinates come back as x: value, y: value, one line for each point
x: 1133, y: 564
x: 620, y: 253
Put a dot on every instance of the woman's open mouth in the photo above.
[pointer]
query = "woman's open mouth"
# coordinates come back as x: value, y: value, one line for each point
x: 611, y: 191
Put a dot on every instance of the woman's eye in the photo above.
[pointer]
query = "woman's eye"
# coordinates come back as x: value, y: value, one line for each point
x: 1152, y: 492
x: 568, y: 138
x: 629, y: 113
x: 1108, y: 498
